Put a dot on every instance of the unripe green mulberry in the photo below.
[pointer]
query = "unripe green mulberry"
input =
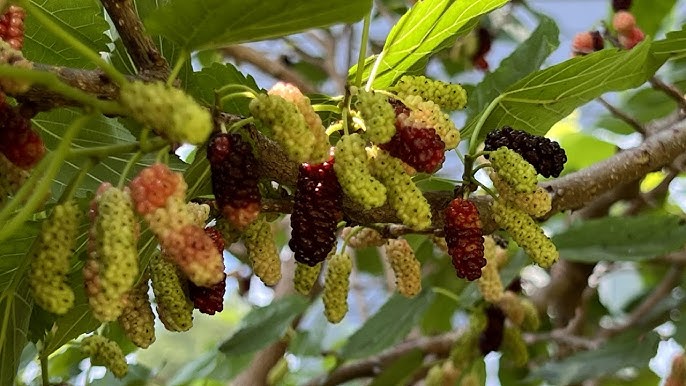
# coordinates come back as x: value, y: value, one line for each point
x: 513, y: 170
x: 174, y: 307
x: 447, y: 95
x: 525, y: 232
x: 336, y: 286
x: 490, y: 285
x: 104, y: 352
x: 363, y: 238
x: 378, y: 116
x: 510, y: 304
x: 112, y: 267
x: 352, y: 170
x: 50, y: 259
x: 404, y: 196
x: 406, y: 267
x: 466, y: 348
x: 535, y: 204
x: 287, y: 123
x: 137, y: 319
x: 169, y: 111
x: 514, y: 347
x: 229, y: 233
x: 264, y: 257
x: 11, y: 179
x: 305, y: 277
x: 429, y: 114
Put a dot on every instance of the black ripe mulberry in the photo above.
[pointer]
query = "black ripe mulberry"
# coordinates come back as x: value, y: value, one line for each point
x: 234, y: 179
x: 418, y: 147
x: 621, y: 5
x: 12, y: 26
x: 18, y: 141
x: 316, y: 212
x: 544, y: 154
x: 492, y: 336
x: 464, y: 237
x: 210, y: 299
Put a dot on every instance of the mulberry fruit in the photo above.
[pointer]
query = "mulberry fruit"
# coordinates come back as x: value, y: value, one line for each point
x: 514, y: 347
x: 429, y: 114
x: 210, y: 299
x: 621, y: 5
x: 234, y: 179
x: 193, y: 251
x: 12, y: 26
x: 484, y: 43
x: 50, y: 259
x: 546, y: 155
x: 378, y: 116
x: 526, y: 233
x: 623, y: 22
x: 535, y: 204
x: 228, y: 232
x: 104, y: 352
x: 448, y: 96
x: 173, y: 305
x: 587, y: 42
x: 305, y: 277
x: 11, y: 179
x: 18, y: 141
x: 406, y: 267
x: 264, y: 257
x: 10, y: 56
x: 137, y: 319
x: 363, y: 238
x: 288, y: 125
x: 631, y: 38
x: 514, y: 170
x: 464, y: 237
x: 421, y: 148
x: 289, y: 92
x: 169, y: 111
x: 316, y: 212
x: 153, y: 186
x: 490, y: 285
x: 492, y: 336
x: 404, y: 196
x: 336, y: 286
x: 352, y: 170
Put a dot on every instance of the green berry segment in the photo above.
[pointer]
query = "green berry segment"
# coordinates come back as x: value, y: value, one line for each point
x: 352, y: 170
x: 406, y: 267
x: 137, y: 319
x: 535, y: 204
x: 336, y: 286
x: 104, y: 352
x: 288, y: 125
x: 447, y: 95
x: 262, y: 252
x: 363, y: 238
x: 513, y: 170
x: 171, y: 294
x: 305, y: 277
x: 378, y: 116
x: 50, y: 259
x: 403, y: 194
x: 169, y: 111
x: 490, y: 285
x: 428, y: 114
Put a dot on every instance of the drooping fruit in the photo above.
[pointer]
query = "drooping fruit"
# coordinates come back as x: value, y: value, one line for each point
x: 464, y: 237
x: 354, y: 175
x: 336, y: 286
x: 546, y: 155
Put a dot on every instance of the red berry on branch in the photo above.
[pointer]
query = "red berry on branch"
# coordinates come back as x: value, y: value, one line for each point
x: 12, y: 26
x: 418, y: 147
x: 587, y: 42
x: 464, y: 237
x: 631, y: 39
x: 18, y: 141
x: 623, y: 22
x: 210, y: 299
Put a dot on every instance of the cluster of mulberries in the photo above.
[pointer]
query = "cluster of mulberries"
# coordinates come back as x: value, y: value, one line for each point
x: 11, y: 179
x: 18, y: 141
x: 289, y: 92
x: 448, y: 96
x: 169, y: 111
x: 316, y: 212
x: 234, y: 178
x: 12, y: 26
x: 404, y: 196
x: 406, y: 267
x: 287, y: 123
x: 535, y: 204
x: 630, y: 34
x: 421, y: 148
x: 464, y: 238
x: 363, y: 237
x: 50, y: 259
x: 137, y: 319
x: 264, y: 257
x: 210, y: 299
x: 492, y: 336
x: 514, y: 170
x: 174, y: 307
x: 378, y: 116
x: 427, y: 114
x: 112, y: 265
x: 336, y: 286
x: 587, y: 42
x: 354, y: 175
x: 489, y: 283
x: 545, y: 155
x: 305, y: 277
x: 104, y: 352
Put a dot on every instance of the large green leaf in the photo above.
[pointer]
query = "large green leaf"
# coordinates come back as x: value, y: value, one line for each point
x: 650, y: 15
x: 622, y: 238
x: 528, y: 57
x: 673, y: 44
x: 83, y: 19
x: 424, y: 30
x: 388, y: 326
x: 544, y: 97
x: 202, y: 85
x: 264, y: 325
x: 204, y: 24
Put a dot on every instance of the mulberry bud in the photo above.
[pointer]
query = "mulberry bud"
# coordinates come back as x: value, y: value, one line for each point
x: 429, y: 114
x: 490, y: 285
x: 514, y: 170
x: 363, y: 238
x: 535, y: 204
x: 514, y: 347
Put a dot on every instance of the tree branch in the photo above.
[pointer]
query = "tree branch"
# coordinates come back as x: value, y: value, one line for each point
x: 621, y: 115
x: 671, y: 92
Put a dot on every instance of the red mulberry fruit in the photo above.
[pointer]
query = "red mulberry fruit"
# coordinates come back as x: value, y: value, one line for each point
x: 546, y: 155
x: 464, y: 237
x: 234, y: 178
x: 12, y: 26
x: 210, y: 299
x: 316, y: 213
x: 18, y: 141
x: 418, y: 147
x: 151, y: 188
x: 631, y: 38
x: 623, y: 22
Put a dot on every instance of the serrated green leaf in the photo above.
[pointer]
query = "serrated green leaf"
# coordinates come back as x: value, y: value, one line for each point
x: 422, y: 31
x: 673, y: 44
x: 83, y: 19
x: 264, y: 325
x: 528, y: 57
x: 650, y: 15
x: 15, y: 306
x: 13, y: 251
x: 388, y: 326
x: 202, y: 85
x: 544, y: 97
x: 204, y: 24
x: 622, y: 238
x: 398, y: 372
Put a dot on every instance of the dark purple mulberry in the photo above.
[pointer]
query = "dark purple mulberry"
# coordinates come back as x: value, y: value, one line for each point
x: 544, y: 154
x: 464, y: 237
x: 18, y: 141
x: 418, y: 147
x: 621, y: 5
x: 209, y: 300
x: 491, y: 337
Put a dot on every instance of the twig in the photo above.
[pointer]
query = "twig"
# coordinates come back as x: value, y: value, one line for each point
x: 631, y: 121
x: 671, y: 92
x: 561, y: 335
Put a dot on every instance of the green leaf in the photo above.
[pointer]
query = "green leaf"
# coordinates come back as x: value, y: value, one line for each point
x: 424, y: 30
x: 264, y: 325
x: 584, y: 150
x: 629, y: 349
x: 204, y: 24
x: 83, y: 19
x: 541, y: 99
x: 15, y: 308
x: 202, y: 85
x: 388, y: 326
x: 528, y: 57
x: 622, y: 238
x: 674, y: 44
x: 398, y: 372
x: 650, y: 15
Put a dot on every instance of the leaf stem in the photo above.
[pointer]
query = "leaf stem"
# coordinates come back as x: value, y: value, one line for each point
x: 234, y: 87
x: 330, y: 108
x: 243, y: 94
x: 106, y: 151
x: 474, y: 140
x: 375, y: 69
x: 240, y: 124
x: 76, y: 180
x: 45, y: 377
x: 363, y: 49
x: 127, y: 169
x: 180, y: 61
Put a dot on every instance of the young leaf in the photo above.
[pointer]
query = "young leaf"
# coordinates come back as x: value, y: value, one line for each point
x: 203, y: 83
x: 205, y: 24
x: 421, y: 32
